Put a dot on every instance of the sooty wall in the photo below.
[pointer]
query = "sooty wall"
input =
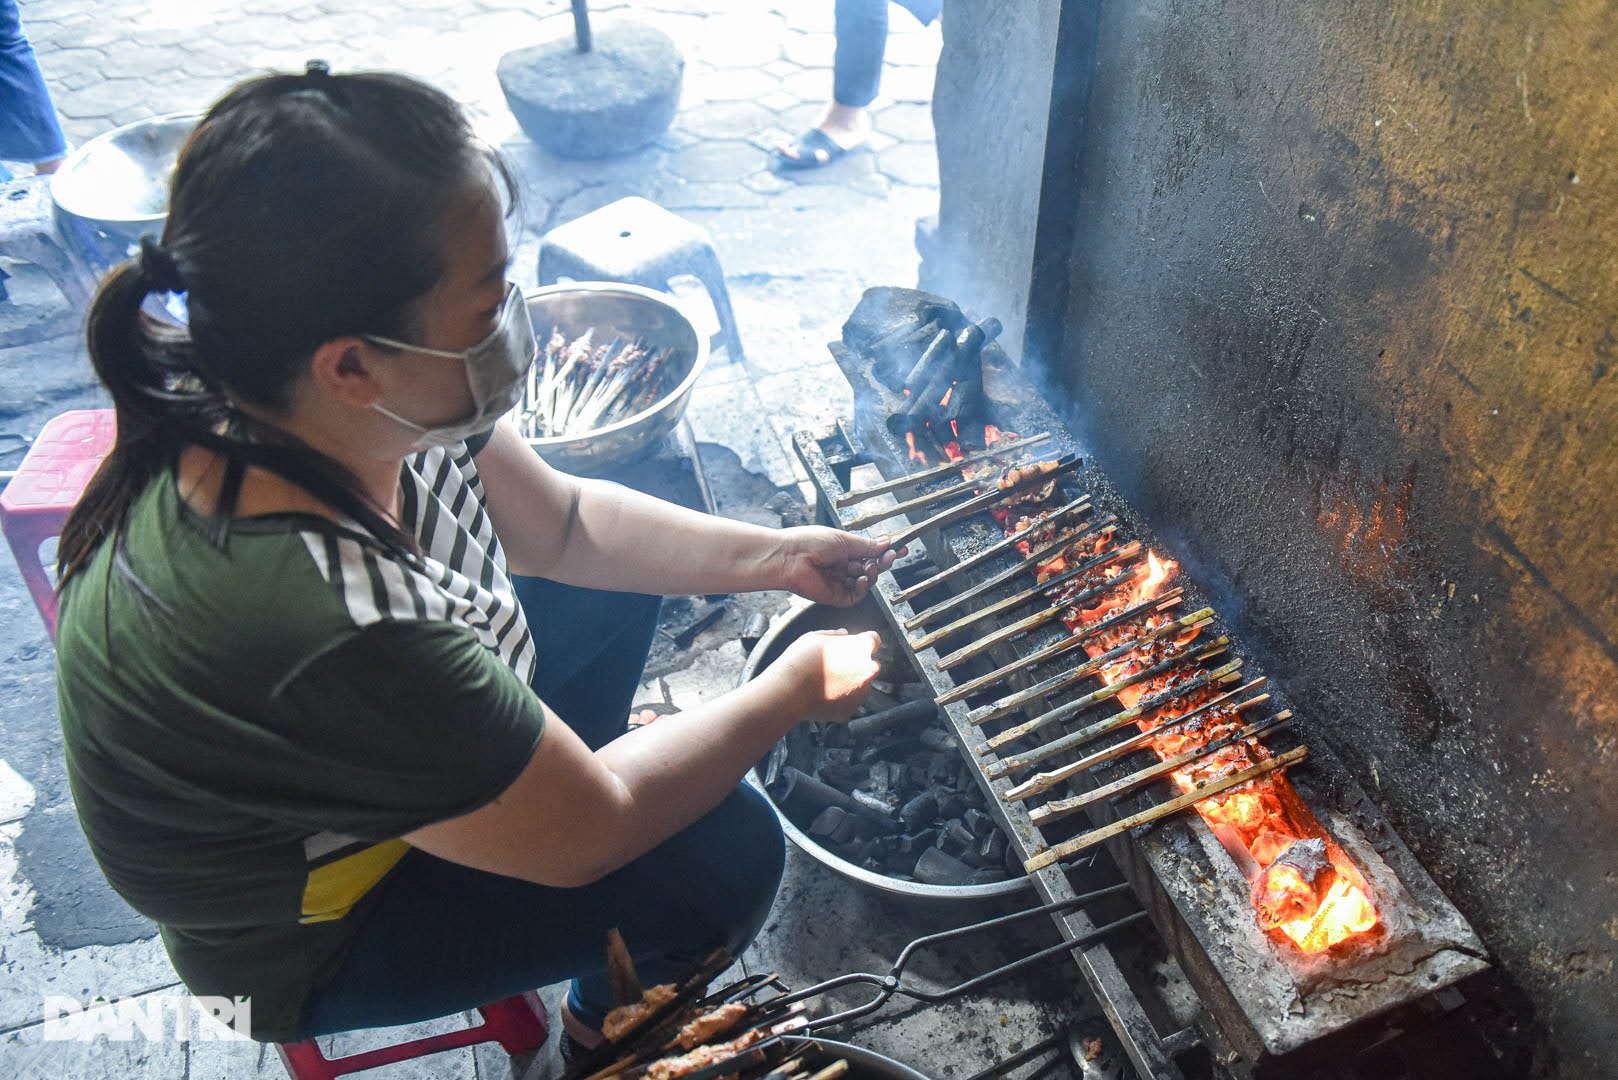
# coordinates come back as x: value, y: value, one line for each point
x: 1341, y: 314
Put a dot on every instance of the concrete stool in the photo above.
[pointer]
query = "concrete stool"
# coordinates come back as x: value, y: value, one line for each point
x: 36, y: 502
x: 28, y: 233
x: 636, y: 241
x: 516, y: 1023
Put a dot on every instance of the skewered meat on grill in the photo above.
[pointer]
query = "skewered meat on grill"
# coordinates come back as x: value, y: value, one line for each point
x: 624, y: 1019
x: 702, y: 1057
x: 709, y: 1024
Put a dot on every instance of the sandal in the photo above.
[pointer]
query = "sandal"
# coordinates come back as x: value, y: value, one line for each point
x: 813, y: 150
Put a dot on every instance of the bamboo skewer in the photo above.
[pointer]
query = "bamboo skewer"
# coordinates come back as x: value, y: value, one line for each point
x: 1023, y: 626
x: 1060, y: 648
x: 1107, y: 693
x: 1040, y: 783
x: 981, y: 503
x: 999, y: 449
x: 1223, y: 675
x: 1129, y: 551
x: 1162, y: 810
x: 1077, y: 506
x: 1057, y: 809
x: 1057, y: 683
x: 954, y: 490
x: 1100, y: 528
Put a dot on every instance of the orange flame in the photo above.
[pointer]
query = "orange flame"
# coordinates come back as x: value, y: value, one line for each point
x: 943, y: 401
x: 1158, y: 572
x: 910, y: 442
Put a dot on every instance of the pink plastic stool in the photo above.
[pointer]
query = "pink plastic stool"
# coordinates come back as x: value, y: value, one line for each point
x: 50, y: 480
x: 516, y: 1023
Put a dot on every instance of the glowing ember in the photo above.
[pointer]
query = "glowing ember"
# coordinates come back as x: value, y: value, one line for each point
x: 943, y: 401
x: 955, y: 430
x: 910, y: 443
x: 992, y: 435
x: 952, y: 450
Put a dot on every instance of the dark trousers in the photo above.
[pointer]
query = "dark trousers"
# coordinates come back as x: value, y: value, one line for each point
x: 443, y: 938
x: 28, y: 127
x: 862, y: 38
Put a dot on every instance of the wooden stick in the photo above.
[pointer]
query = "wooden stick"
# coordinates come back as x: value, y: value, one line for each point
x: 981, y: 503
x: 1077, y: 506
x: 1057, y: 809
x: 1040, y: 783
x: 1056, y: 683
x: 1223, y: 675
x: 1102, y: 527
x: 1060, y: 648
x: 1006, y: 633
x: 1107, y: 693
x: 999, y: 449
x: 1129, y: 551
x: 621, y: 977
x: 1162, y: 810
x: 952, y: 491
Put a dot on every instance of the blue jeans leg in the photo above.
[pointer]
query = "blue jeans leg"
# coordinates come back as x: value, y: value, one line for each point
x: 862, y: 38
x: 29, y: 130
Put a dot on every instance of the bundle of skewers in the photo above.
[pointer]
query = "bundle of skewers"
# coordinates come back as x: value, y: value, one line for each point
x: 578, y: 386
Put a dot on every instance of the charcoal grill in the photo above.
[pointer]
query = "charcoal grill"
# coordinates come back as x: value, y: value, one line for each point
x: 1265, y: 1010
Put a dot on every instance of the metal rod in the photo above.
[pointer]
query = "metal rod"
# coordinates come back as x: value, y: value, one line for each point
x: 581, y: 25
x: 999, y: 449
x: 1222, y: 675
x: 982, y: 502
x: 1103, y: 527
x: 1061, y: 808
x: 1108, y: 692
x: 1056, y: 683
x: 1040, y: 783
x: 1077, y: 506
x: 1163, y: 810
x: 1061, y: 648
x: 1129, y: 551
x: 954, y: 490
x: 1006, y: 633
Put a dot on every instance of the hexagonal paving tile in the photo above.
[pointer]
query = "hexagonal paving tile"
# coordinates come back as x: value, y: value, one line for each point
x: 715, y: 160
x: 915, y: 164
x: 908, y: 122
x: 727, y: 120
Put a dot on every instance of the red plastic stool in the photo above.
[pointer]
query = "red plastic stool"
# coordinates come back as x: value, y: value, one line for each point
x: 516, y: 1023
x: 50, y: 480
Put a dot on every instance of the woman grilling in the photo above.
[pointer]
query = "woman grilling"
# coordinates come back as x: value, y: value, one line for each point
x: 344, y: 666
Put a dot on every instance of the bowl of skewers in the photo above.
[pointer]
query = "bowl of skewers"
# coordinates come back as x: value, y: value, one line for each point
x: 616, y: 367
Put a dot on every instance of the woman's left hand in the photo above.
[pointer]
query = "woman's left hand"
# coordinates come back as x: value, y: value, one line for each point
x: 833, y: 567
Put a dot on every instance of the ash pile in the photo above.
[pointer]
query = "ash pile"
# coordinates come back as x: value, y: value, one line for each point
x: 888, y: 792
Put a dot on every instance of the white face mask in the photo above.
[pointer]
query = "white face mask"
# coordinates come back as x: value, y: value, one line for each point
x: 495, y: 370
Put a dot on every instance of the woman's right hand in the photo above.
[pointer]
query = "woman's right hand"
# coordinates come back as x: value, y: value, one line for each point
x: 830, y: 672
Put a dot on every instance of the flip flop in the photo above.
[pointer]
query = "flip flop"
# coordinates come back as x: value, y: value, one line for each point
x: 813, y: 150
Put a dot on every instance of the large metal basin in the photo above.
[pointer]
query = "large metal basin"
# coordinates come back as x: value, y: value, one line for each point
x: 863, y: 1064
x: 631, y: 311
x: 118, y: 182
x: 801, y: 619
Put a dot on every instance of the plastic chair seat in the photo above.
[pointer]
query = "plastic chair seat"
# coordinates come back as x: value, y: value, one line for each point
x: 36, y: 502
x: 636, y: 241
x: 516, y: 1023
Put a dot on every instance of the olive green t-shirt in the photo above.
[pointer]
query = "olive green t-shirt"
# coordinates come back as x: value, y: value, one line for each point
x: 249, y: 729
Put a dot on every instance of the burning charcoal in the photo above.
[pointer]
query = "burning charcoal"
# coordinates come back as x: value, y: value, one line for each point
x: 936, y: 867
x: 980, y: 823
x: 804, y: 796
x: 919, y: 812
x: 937, y: 739
x: 827, y: 822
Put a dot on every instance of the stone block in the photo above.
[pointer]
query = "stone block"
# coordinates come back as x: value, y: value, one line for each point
x: 616, y: 98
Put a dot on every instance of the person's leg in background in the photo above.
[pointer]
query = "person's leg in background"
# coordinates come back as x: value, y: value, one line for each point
x: 862, y: 38
x: 29, y: 130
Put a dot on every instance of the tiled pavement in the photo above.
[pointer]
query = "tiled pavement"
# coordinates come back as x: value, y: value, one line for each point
x: 798, y: 251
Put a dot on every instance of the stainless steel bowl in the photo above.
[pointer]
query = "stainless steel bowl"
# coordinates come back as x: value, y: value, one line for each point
x: 633, y: 312
x: 801, y: 619
x: 118, y: 182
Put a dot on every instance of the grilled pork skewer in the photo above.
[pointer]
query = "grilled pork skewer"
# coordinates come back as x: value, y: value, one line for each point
x: 1060, y: 648
x: 998, y: 450
x: 1040, y: 618
x: 984, y: 502
x: 1163, y: 810
x: 1033, y: 528
x: 1040, y: 783
x: 965, y: 487
x: 1057, y: 809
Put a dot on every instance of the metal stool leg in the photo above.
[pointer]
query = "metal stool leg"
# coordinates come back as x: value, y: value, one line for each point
x: 712, y: 276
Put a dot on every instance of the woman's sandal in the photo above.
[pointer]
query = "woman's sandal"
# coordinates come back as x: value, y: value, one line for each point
x: 813, y: 150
